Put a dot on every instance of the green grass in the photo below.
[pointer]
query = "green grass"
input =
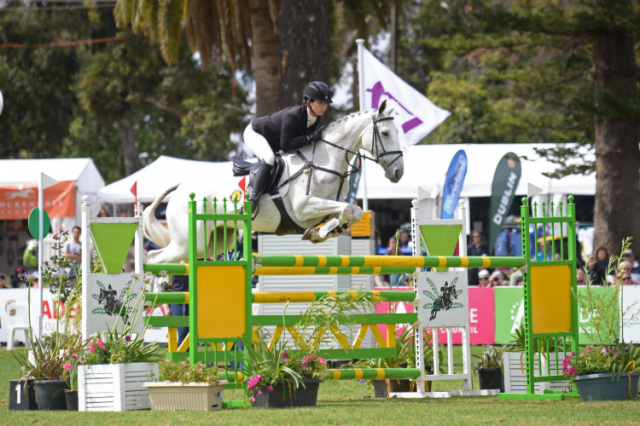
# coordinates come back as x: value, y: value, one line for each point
x: 343, y: 403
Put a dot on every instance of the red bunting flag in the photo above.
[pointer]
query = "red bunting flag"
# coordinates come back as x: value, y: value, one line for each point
x: 134, y: 189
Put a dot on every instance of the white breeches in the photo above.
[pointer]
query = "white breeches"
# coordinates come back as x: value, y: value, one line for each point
x: 259, y: 145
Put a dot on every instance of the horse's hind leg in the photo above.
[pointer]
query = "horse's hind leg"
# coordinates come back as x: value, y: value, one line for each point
x: 173, y: 253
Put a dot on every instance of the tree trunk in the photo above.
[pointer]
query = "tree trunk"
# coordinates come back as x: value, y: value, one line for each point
x: 128, y: 140
x: 264, y: 59
x: 304, y: 47
x: 617, y: 200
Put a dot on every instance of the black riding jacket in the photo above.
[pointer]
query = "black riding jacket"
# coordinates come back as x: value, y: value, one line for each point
x: 285, y: 130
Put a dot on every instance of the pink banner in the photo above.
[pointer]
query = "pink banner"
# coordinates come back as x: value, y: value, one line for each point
x: 481, y: 316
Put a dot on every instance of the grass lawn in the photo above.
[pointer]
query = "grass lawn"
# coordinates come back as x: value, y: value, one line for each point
x: 342, y: 403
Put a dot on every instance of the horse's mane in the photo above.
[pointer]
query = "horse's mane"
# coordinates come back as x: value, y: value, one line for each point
x: 336, y: 129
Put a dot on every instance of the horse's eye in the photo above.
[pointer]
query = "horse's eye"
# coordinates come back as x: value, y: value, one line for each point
x: 385, y: 133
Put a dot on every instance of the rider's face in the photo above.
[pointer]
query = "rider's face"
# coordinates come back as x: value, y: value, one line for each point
x: 318, y: 108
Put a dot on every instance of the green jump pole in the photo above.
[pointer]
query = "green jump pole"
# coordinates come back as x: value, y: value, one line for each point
x: 373, y: 373
x: 162, y: 298
x: 169, y: 268
x: 389, y: 261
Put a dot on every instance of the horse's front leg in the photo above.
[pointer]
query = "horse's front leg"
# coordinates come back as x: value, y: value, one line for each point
x: 315, y: 207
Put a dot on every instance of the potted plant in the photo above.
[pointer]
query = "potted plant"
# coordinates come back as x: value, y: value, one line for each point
x: 489, y: 368
x: 605, y: 371
x: 274, y: 379
x: 111, y: 372
x: 46, y: 367
x: 71, y: 372
x: 183, y: 386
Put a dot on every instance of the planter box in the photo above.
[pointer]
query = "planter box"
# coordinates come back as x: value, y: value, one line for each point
x: 176, y: 396
x: 601, y: 387
x: 115, y: 387
x: 515, y: 379
x: 283, y: 396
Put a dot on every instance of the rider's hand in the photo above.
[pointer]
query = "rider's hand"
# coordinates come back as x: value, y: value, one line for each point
x: 314, y: 136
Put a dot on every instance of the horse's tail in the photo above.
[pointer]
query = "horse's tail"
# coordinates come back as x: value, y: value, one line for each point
x: 151, y: 227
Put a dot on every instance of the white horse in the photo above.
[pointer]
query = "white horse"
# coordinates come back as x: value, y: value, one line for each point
x: 371, y: 130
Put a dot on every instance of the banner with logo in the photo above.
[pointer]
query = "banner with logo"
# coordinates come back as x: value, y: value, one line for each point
x: 503, y: 190
x: 509, y: 313
x: 415, y: 116
x: 17, y: 201
x: 453, y: 184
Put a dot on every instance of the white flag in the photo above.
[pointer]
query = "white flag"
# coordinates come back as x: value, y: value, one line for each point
x: 416, y: 116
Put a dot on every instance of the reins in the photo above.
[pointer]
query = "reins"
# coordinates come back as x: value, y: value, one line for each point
x: 351, y: 168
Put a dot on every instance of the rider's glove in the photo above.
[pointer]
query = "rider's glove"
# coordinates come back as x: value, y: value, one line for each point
x: 314, y: 136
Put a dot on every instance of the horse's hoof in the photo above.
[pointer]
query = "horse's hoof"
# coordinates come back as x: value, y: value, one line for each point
x: 308, y: 234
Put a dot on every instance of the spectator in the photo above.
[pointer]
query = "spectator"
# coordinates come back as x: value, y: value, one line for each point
x: 520, y: 280
x: 497, y: 279
x: 18, y: 280
x: 541, y: 249
x: 180, y: 284
x: 580, y: 277
x: 602, y: 258
x: 391, y: 251
x: 483, y: 278
x: 103, y: 212
x: 596, y: 273
x: 630, y: 257
x: 516, y: 275
x: 3, y: 283
x: 405, y: 242
x: 625, y: 278
x: 478, y: 247
x: 73, y: 250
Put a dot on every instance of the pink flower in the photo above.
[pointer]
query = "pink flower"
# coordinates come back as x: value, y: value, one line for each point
x: 269, y: 389
x: 92, y: 347
x: 260, y: 393
x: 604, y: 351
x: 252, y: 399
x: 582, y: 354
x: 127, y: 338
x: 100, y: 344
x: 322, y: 360
x: 564, y: 391
x: 74, y: 356
x: 589, y: 350
x: 67, y: 366
x: 573, y: 371
x: 616, y: 354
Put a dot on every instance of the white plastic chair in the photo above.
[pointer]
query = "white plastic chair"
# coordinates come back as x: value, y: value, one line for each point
x: 19, y: 321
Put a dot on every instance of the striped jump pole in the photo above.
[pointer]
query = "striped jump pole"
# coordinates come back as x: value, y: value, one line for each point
x: 373, y: 373
x: 299, y: 261
x: 332, y: 270
x: 169, y: 268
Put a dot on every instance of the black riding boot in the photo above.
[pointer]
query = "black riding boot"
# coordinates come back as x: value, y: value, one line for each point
x: 258, y: 182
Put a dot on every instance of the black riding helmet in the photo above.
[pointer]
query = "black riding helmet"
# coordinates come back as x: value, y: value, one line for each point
x: 317, y: 91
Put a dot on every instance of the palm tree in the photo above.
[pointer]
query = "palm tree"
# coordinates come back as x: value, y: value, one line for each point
x: 216, y: 29
x: 245, y: 32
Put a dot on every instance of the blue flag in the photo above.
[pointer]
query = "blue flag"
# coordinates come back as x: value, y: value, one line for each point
x: 453, y: 184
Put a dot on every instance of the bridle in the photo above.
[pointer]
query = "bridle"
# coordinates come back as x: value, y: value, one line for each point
x: 377, y: 146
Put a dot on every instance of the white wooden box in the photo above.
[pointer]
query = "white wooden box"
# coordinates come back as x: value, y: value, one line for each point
x: 515, y: 379
x: 115, y: 387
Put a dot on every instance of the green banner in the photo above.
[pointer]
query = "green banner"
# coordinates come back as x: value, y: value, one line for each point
x: 510, y: 312
x: 354, y: 180
x: 503, y: 190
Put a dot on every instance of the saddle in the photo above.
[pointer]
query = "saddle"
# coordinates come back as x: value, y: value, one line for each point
x: 243, y: 168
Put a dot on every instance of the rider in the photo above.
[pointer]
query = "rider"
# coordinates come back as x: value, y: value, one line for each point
x: 286, y: 130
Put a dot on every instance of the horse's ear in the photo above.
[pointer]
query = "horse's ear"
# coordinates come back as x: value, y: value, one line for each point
x: 382, y: 106
x: 390, y: 110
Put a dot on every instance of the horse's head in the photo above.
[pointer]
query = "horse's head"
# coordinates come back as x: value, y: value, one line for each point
x: 103, y: 296
x: 380, y: 138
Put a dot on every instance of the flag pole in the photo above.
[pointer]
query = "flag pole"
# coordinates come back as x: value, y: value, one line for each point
x: 40, y: 242
x: 360, y: 41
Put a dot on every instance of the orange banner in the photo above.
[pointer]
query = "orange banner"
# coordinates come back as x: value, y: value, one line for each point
x: 17, y: 203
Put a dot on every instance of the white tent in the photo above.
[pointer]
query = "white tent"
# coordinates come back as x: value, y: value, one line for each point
x: 81, y: 170
x: 162, y: 174
x: 426, y: 166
